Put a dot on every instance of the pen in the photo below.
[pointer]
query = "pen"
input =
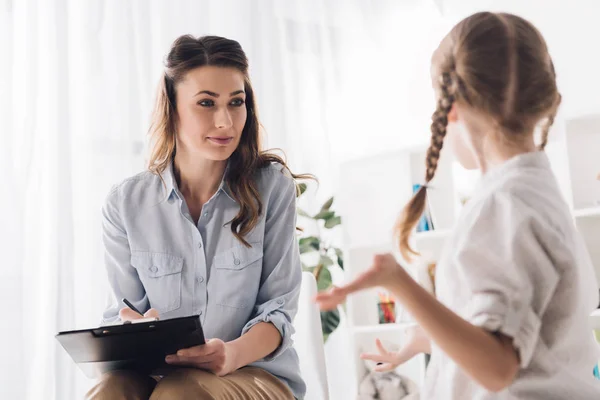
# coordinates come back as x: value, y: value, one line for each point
x: 128, y: 304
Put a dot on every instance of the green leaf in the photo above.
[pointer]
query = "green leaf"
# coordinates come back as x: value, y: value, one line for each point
x: 340, y: 257
x: 306, y: 249
x: 333, y: 222
x: 330, y: 320
x: 309, y: 244
x: 327, y: 205
x: 326, y: 261
x: 324, y: 215
x: 307, y: 268
x: 301, y: 189
x: 303, y: 213
x: 324, y: 281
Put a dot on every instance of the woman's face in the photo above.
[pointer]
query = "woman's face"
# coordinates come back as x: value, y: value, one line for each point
x: 211, y: 112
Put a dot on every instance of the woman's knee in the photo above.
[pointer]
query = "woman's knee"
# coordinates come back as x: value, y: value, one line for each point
x: 122, y: 385
x: 187, y: 384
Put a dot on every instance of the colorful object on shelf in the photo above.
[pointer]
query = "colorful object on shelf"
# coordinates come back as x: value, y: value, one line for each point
x: 425, y: 223
x: 386, y: 309
x: 597, y: 367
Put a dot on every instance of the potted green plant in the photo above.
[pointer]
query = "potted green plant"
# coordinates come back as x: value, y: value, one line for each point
x: 319, y: 255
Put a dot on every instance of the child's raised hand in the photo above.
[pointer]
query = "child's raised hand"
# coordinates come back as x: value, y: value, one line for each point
x: 382, y: 272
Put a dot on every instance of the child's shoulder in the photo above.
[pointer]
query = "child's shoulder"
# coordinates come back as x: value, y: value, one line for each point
x: 515, y: 203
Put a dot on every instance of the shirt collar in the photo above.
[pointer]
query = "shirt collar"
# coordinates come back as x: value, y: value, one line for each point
x: 172, y: 189
x: 534, y: 159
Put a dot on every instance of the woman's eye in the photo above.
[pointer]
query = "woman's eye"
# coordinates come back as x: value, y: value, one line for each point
x: 237, y: 102
x: 206, y: 103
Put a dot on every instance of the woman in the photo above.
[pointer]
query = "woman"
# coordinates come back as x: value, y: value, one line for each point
x: 209, y: 229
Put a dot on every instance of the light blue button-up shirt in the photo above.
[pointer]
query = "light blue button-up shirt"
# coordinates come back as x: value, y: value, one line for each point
x: 156, y: 256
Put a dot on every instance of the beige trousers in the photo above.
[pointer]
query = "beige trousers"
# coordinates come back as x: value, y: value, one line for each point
x: 248, y: 383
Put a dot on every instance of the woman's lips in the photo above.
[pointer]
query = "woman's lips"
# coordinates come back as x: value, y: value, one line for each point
x: 221, y: 140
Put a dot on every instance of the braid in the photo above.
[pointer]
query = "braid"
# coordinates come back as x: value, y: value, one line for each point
x: 415, y: 207
x: 438, y: 127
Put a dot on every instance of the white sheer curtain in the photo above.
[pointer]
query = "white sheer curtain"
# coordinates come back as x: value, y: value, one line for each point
x: 77, y: 82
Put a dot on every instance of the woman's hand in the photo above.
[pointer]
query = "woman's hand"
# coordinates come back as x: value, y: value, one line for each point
x: 384, y: 270
x: 415, y: 342
x: 215, y: 356
x: 127, y: 314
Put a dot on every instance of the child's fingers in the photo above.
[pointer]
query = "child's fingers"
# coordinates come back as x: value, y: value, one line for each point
x: 385, y: 367
x: 327, y: 302
x: 380, y: 347
x: 375, y: 357
x: 363, y: 281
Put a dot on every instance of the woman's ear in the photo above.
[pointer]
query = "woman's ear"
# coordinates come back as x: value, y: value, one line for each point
x: 453, y: 114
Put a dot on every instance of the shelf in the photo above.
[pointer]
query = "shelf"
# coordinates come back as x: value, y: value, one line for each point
x: 587, y: 212
x: 379, y: 328
x: 434, y: 234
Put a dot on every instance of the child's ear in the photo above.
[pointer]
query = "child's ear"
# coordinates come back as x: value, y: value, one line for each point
x: 453, y: 114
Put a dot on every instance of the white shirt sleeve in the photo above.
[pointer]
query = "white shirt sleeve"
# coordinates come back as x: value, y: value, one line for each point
x: 502, y: 262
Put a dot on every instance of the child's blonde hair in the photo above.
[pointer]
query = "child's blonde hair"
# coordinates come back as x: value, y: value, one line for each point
x: 497, y: 64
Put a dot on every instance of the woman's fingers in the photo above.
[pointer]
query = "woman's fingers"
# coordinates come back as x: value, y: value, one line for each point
x: 127, y: 314
x: 151, y: 313
x: 174, y: 359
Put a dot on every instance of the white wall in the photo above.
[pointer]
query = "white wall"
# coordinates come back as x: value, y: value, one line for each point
x: 571, y: 30
x: 386, y: 98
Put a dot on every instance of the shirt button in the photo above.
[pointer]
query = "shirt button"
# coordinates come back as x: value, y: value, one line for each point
x: 154, y: 268
x: 199, y: 245
x: 236, y: 262
x: 200, y: 312
x: 206, y: 214
x: 200, y: 279
x: 279, y: 301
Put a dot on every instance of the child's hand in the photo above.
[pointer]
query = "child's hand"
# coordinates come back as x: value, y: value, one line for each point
x: 386, y: 360
x: 415, y: 342
x: 384, y: 270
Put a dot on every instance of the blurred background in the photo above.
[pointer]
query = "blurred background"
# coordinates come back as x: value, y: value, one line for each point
x: 339, y: 83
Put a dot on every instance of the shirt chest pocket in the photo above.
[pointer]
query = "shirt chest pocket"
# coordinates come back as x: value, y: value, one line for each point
x: 160, y: 274
x: 236, y: 275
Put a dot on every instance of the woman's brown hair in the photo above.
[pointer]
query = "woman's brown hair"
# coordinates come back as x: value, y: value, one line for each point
x: 498, y: 65
x: 186, y: 54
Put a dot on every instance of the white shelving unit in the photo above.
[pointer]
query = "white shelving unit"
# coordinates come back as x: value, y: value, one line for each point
x: 373, y: 195
x: 374, y: 190
x: 595, y: 320
x: 380, y: 328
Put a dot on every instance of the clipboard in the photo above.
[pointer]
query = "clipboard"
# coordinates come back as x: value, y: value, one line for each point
x: 141, y: 346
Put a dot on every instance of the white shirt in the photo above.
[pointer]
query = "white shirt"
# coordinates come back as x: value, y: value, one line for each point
x: 516, y: 264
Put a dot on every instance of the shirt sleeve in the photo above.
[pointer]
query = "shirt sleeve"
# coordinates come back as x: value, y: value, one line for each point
x: 277, y: 299
x: 507, y: 272
x: 122, y: 276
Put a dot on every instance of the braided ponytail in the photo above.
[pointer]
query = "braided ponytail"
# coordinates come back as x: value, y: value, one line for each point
x: 416, y: 206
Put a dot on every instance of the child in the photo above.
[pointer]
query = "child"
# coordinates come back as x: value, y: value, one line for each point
x: 515, y: 285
